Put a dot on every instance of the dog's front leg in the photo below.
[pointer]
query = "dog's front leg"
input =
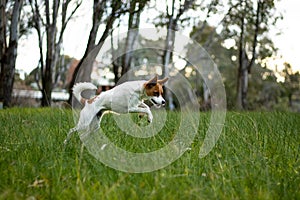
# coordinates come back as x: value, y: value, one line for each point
x: 142, y: 110
x: 149, y: 113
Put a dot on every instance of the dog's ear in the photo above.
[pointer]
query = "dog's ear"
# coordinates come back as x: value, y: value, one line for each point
x: 151, y: 83
x: 163, y: 80
x: 152, y: 80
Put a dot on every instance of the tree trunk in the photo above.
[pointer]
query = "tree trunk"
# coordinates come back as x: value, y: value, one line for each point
x: 169, y: 45
x: 242, y: 88
x: 131, y: 36
x: 54, y: 37
x: 47, y: 82
x: 122, y: 64
x: 9, y: 54
x: 47, y: 77
x: 171, y: 28
x: 290, y: 97
x: 167, y: 60
x: 242, y: 79
x: 93, y: 49
x: 98, y: 11
x: 7, y: 74
x: 115, y: 60
x: 3, y: 47
x: 88, y: 59
x: 244, y: 64
x: 132, y: 33
x: 206, y: 96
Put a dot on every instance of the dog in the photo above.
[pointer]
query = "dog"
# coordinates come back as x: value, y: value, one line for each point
x: 127, y: 97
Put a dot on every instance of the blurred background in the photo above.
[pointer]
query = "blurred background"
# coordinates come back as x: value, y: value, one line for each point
x: 47, y: 46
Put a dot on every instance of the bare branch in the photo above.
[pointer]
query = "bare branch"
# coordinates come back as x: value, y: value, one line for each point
x: 65, y: 20
x: 2, y: 27
x: 257, y: 22
x: 47, y: 13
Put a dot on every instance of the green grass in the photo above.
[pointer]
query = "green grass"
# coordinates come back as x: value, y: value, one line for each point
x: 256, y: 157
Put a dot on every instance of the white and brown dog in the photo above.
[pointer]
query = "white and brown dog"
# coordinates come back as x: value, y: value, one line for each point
x: 127, y: 97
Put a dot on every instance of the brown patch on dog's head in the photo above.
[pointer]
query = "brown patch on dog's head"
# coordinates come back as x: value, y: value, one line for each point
x: 153, y: 87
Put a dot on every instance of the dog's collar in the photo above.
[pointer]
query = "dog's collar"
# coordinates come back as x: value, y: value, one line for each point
x: 143, y: 94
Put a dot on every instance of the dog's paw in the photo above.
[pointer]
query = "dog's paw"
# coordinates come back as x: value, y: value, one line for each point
x: 65, y: 142
x: 150, y: 119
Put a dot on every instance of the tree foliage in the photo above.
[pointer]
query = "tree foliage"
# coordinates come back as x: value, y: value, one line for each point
x: 104, y: 12
x: 248, y: 24
x: 125, y: 61
x: 245, y: 24
x: 50, y: 19
x: 291, y: 83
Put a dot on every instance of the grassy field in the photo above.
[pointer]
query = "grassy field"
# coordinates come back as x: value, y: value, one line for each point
x: 256, y: 157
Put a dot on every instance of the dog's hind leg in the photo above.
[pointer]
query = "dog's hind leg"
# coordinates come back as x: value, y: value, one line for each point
x: 72, y: 130
x: 101, y: 113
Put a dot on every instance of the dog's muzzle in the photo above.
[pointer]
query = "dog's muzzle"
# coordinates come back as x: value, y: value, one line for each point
x: 158, y: 101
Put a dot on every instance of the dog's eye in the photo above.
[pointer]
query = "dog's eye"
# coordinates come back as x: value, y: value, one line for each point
x: 156, y: 94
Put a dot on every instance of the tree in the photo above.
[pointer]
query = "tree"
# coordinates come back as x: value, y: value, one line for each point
x: 247, y: 23
x: 211, y: 41
x: 122, y: 56
x: 103, y: 11
x: 171, y: 19
x: 135, y: 9
x: 207, y: 36
x: 50, y: 19
x: 264, y: 91
x: 291, y: 82
x: 9, y: 29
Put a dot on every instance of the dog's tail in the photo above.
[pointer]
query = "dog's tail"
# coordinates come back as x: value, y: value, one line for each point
x: 79, y: 87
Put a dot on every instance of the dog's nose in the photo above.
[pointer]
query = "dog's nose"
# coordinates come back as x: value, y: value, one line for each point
x: 163, y: 102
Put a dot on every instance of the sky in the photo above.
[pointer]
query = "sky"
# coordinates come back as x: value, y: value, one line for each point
x: 76, y: 35
x: 288, y: 42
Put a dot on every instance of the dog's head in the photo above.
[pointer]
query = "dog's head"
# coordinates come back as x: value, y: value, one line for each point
x: 154, y: 91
